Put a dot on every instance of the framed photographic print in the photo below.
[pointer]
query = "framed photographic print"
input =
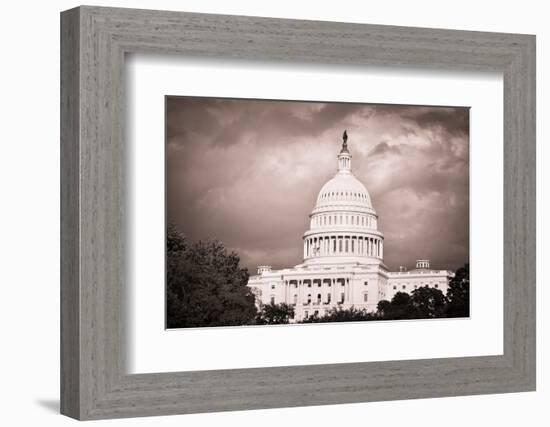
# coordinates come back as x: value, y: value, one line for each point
x: 253, y: 202
x: 311, y: 196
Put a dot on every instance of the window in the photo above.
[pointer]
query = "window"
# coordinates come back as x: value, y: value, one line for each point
x: 395, y: 287
x: 328, y: 298
x: 366, y: 283
x: 272, y: 286
x: 404, y: 287
x: 436, y: 285
x: 316, y: 313
x: 306, y: 314
x: 319, y: 284
x: 309, y: 285
x: 309, y: 298
x: 342, y: 297
x: 318, y: 298
x: 365, y: 297
x: 272, y: 299
x: 295, y: 298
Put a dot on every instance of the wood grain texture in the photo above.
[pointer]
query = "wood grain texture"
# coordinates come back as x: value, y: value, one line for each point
x: 94, y: 272
x: 70, y: 297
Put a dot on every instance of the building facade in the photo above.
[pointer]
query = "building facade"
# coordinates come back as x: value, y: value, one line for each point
x: 343, y: 256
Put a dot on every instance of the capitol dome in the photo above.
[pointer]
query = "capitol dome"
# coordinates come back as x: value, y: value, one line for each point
x: 343, y: 223
x: 344, y: 188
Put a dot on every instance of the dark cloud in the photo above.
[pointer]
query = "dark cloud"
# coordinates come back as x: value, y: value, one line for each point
x: 384, y: 148
x: 247, y: 172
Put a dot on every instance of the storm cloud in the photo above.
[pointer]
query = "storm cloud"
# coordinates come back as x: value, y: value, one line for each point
x: 247, y: 172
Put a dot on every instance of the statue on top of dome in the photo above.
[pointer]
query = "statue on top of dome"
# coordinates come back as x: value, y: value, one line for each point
x: 345, y: 143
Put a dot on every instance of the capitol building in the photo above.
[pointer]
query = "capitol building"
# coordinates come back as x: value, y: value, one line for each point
x: 343, y: 263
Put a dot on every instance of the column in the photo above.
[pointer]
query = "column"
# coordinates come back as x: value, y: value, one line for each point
x: 346, y: 291
x: 381, y: 249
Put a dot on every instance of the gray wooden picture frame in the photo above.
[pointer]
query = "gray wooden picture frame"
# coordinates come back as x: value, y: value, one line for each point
x: 94, y: 41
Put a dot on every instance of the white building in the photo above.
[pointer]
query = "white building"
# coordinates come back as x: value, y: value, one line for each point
x: 343, y: 256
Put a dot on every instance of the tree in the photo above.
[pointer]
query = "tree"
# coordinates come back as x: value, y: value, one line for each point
x: 427, y: 303
x: 398, y: 308
x: 205, y: 285
x: 272, y: 314
x: 422, y: 303
x: 458, y: 293
x: 338, y: 314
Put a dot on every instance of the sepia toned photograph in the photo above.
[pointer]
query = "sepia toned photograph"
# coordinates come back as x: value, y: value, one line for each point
x: 296, y: 212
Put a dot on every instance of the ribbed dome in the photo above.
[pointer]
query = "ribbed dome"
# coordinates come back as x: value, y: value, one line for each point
x: 344, y: 187
x: 343, y: 224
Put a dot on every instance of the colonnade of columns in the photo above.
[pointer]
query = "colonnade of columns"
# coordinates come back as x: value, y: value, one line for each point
x: 343, y: 244
x: 357, y: 220
x: 318, y: 292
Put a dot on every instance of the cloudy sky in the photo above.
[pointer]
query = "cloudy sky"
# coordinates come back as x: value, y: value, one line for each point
x: 247, y: 172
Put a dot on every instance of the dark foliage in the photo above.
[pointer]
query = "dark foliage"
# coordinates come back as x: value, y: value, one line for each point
x: 398, y: 308
x: 273, y: 314
x: 427, y: 303
x: 205, y: 285
x: 458, y: 293
x: 338, y: 314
